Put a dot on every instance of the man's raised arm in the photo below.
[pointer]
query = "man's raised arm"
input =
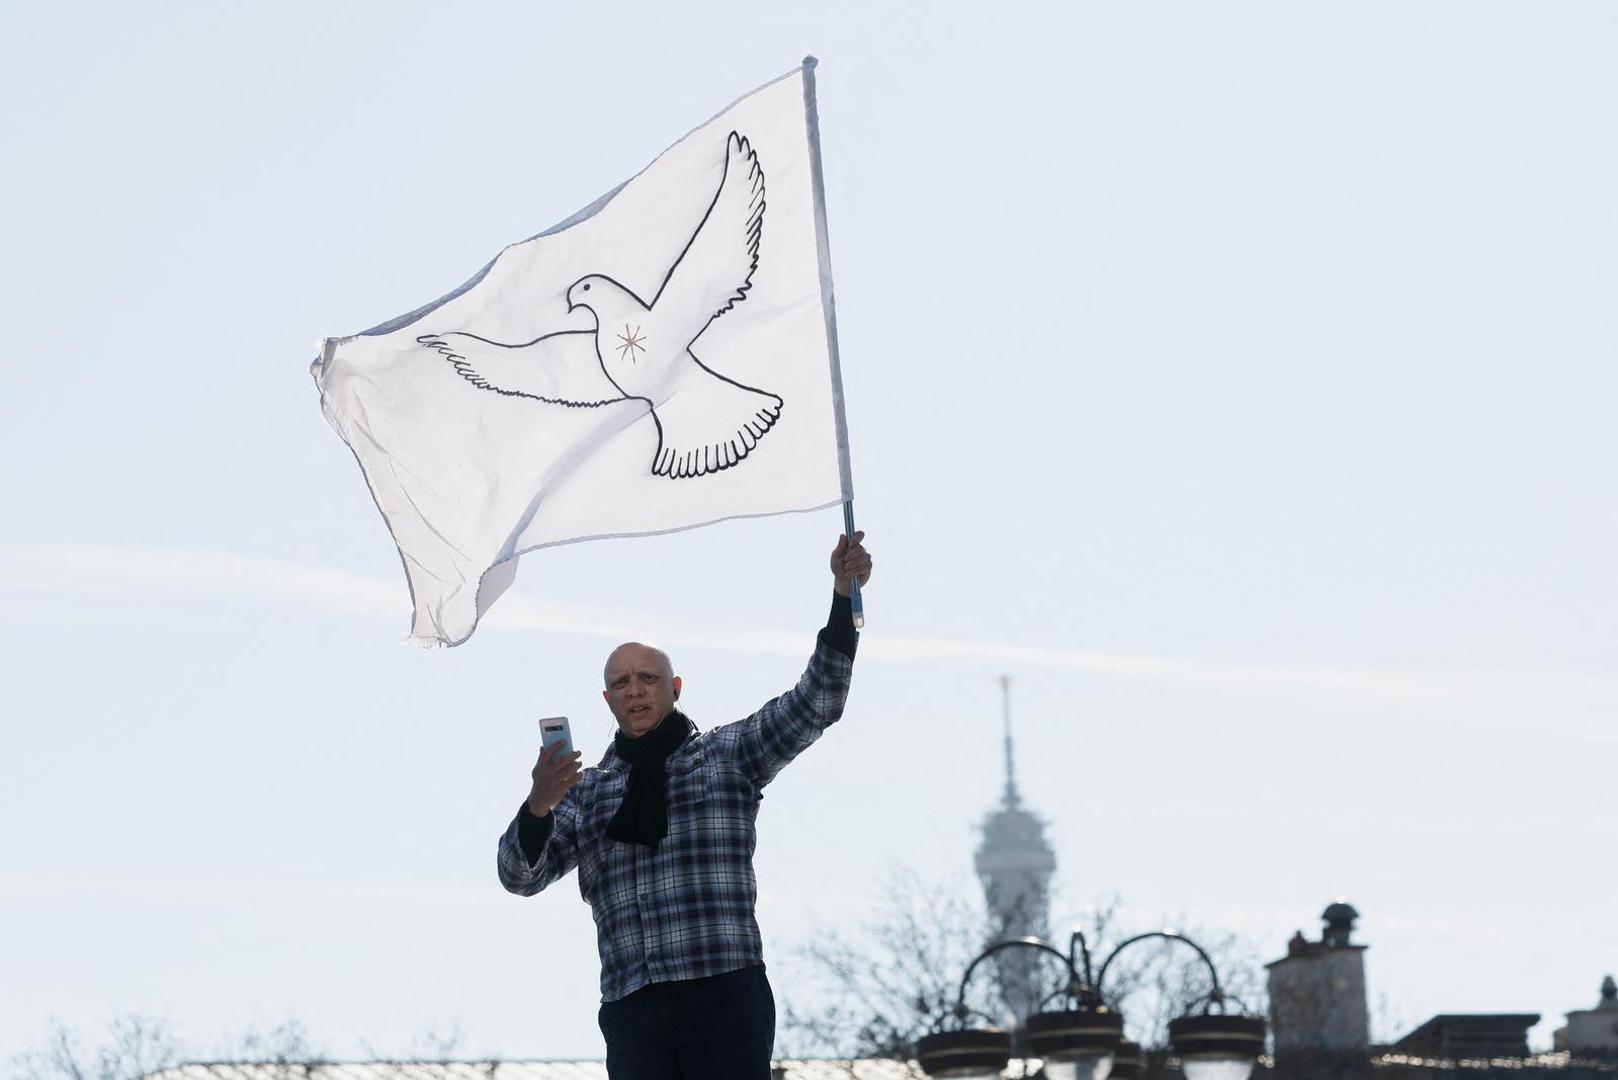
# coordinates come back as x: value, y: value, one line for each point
x: 766, y: 741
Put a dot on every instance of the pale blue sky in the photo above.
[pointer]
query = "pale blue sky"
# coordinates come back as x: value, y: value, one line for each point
x: 1237, y: 377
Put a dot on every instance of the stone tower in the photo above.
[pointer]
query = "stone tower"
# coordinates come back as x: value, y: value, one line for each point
x: 1317, y: 1000
x: 1015, y: 863
x: 1593, y: 1032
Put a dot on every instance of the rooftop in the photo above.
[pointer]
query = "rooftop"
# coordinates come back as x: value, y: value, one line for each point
x: 510, y: 1070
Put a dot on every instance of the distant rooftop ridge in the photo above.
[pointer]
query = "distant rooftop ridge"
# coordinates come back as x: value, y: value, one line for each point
x: 576, y: 1069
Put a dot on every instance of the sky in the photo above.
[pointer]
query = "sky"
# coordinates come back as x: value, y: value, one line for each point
x: 1237, y: 378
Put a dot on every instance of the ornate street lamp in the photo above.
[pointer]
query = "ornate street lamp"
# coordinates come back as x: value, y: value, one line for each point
x: 1211, y: 1044
x: 979, y: 1054
x: 1130, y: 1063
x: 964, y: 1055
x: 1085, y: 1041
x: 1217, y: 1046
x: 1077, y: 1044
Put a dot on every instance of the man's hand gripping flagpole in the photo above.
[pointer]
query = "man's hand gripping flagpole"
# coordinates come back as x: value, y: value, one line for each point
x: 850, y: 564
x: 855, y: 577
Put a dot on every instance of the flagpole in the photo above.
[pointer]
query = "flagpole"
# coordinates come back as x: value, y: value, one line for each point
x: 828, y: 305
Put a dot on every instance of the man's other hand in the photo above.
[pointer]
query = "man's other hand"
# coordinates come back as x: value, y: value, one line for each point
x: 555, y: 773
x: 850, y: 561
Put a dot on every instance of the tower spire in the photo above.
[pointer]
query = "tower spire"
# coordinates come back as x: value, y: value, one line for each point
x: 1012, y: 798
x: 1015, y: 863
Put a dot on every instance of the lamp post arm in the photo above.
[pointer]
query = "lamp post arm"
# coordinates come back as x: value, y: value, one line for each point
x: 1218, y: 994
x: 1002, y: 946
x: 1077, y: 938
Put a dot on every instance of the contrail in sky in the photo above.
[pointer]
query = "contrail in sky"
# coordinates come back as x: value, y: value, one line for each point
x: 86, y: 569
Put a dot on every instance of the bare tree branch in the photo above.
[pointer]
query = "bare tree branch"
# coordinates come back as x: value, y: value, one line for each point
x: 871, y: 991
x: 134, y: 1047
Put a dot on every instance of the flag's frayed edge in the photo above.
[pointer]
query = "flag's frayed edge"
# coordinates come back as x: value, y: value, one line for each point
x: 483, y: 608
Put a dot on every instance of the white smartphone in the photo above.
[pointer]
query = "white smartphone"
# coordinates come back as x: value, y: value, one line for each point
x: 554, y: 729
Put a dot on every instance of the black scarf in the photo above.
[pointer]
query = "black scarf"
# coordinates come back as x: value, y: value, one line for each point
x: 643, y: 816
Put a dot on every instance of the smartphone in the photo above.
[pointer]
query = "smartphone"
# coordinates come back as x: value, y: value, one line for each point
x: 554, y: 729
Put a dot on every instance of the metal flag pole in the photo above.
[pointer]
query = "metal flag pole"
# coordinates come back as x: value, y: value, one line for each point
x: 811, y: 115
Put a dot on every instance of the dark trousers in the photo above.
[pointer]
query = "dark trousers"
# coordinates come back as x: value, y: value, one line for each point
x: 718, y: 1028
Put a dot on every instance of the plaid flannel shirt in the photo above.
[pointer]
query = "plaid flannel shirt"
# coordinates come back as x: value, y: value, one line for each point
x: 683, y: 910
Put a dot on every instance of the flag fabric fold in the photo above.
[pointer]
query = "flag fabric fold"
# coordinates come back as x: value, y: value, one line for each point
x: 659, y: 361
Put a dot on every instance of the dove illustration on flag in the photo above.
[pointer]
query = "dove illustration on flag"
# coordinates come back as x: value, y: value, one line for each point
x: 663, y: 359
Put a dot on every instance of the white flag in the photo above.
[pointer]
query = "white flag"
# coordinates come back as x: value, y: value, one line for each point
x: 663, y: 359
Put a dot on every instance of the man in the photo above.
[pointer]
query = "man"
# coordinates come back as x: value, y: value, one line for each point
x: 662, y: 833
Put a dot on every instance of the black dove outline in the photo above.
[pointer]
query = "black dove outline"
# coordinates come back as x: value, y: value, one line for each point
x: 706, y: 422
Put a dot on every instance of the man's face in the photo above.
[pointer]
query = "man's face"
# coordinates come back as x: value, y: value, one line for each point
x: 641, y: 687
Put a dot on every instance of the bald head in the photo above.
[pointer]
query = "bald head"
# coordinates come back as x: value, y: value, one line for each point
x: 635, y: 650
x: 641, y: 687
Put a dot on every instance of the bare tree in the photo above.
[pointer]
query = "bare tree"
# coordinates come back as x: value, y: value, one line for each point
x: 134, y: 1046
x: 1388, y: 1021
x: 871, y: 991
x: 437, y: 1044
x: 877, y: 987
x: 285, y: 1049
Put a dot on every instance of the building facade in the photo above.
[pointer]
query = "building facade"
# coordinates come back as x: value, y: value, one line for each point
x: 1593, y: 1032
x: 1318, y: 1013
